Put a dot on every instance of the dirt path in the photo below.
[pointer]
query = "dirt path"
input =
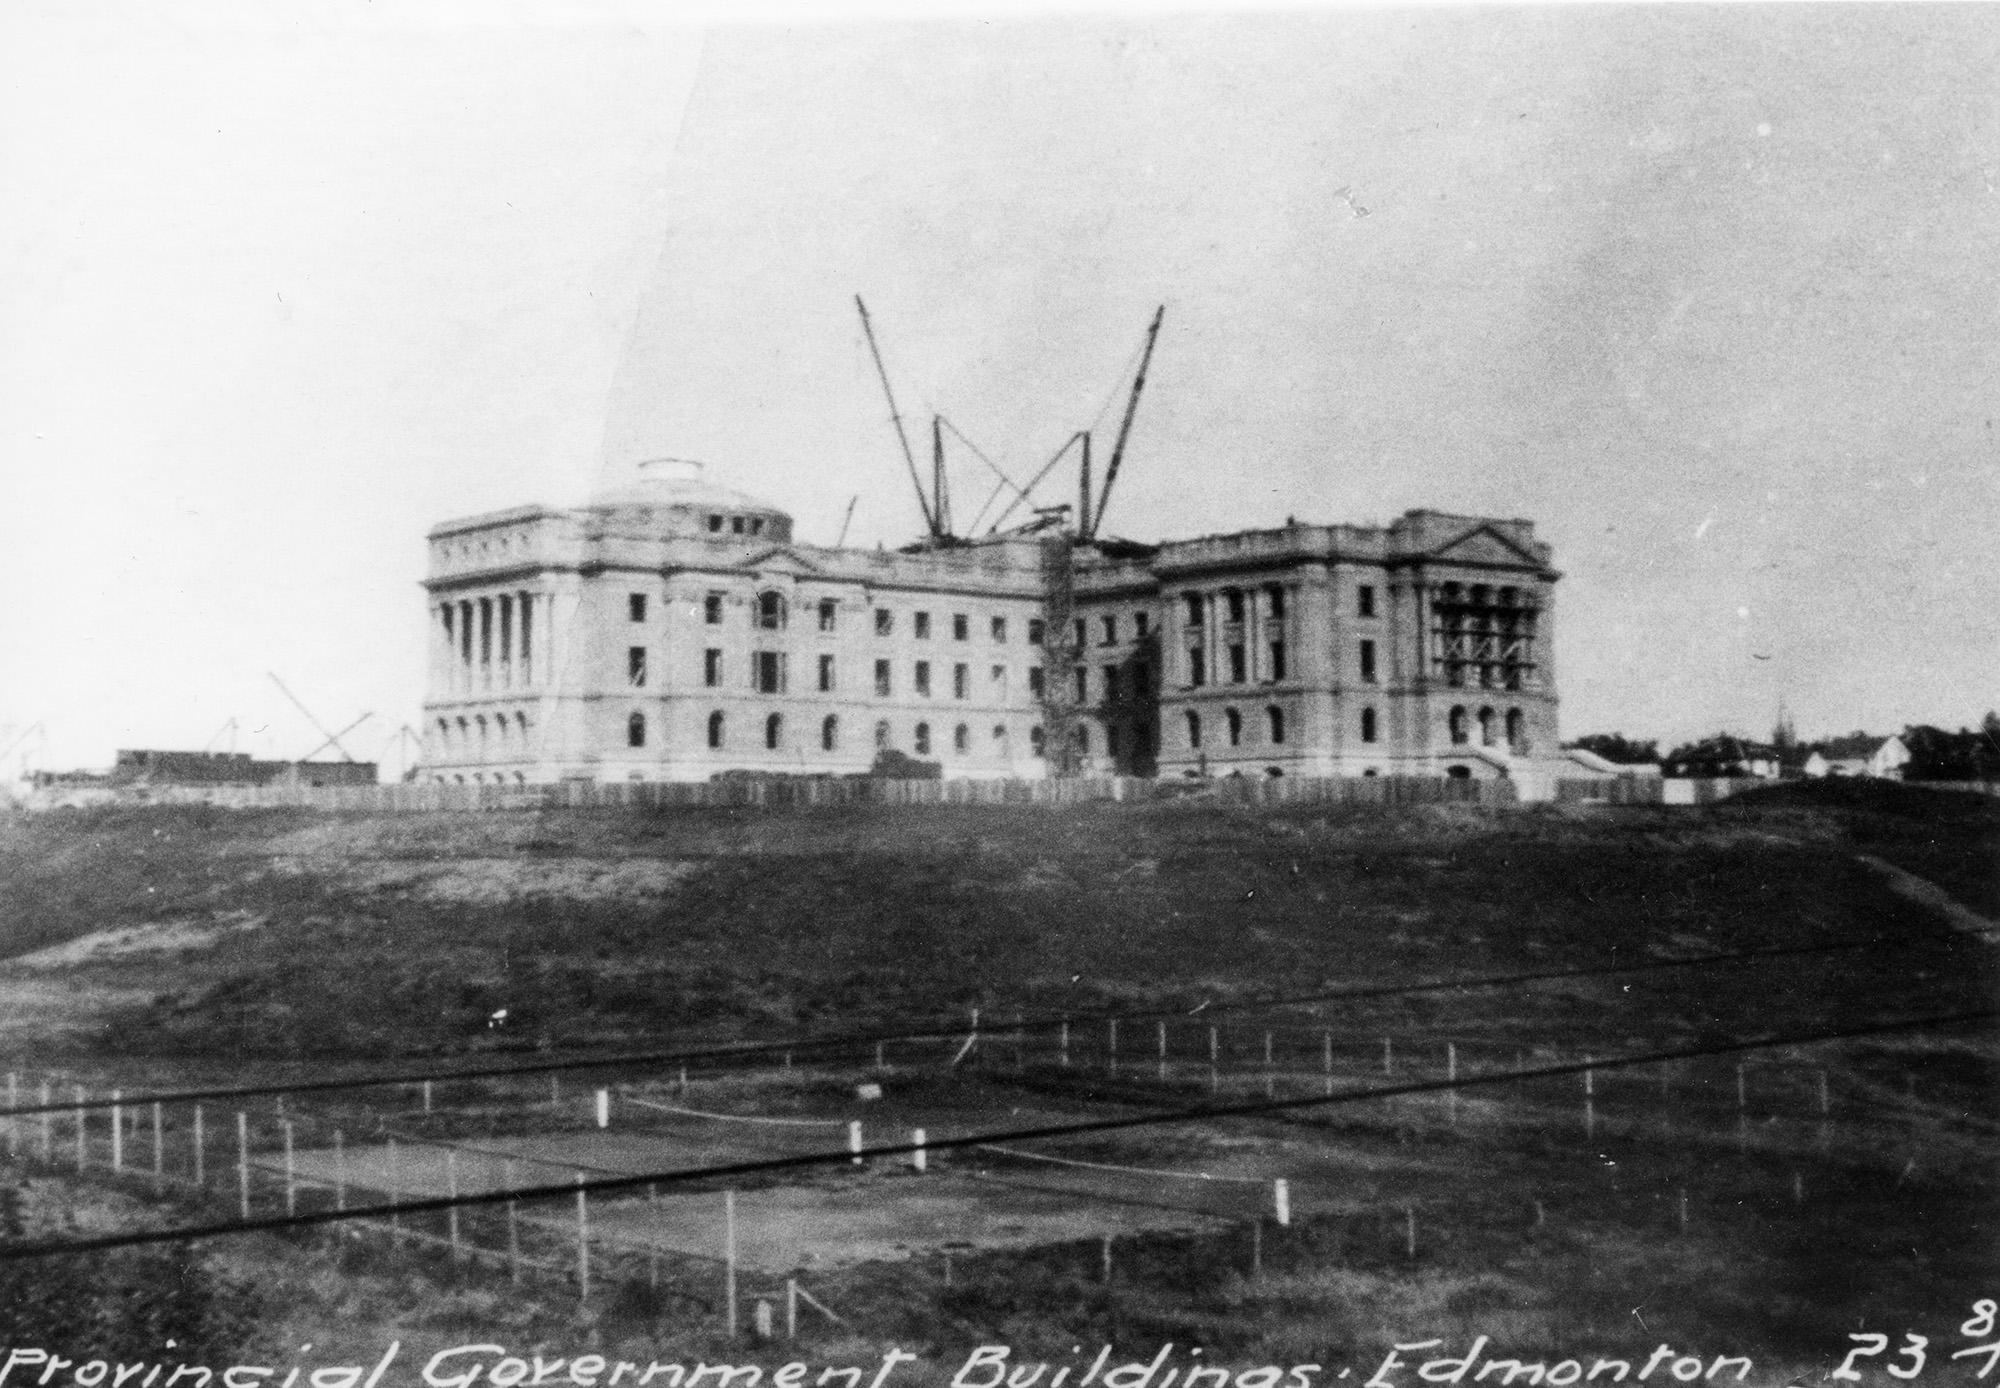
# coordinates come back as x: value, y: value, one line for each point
x: 1928, y: 894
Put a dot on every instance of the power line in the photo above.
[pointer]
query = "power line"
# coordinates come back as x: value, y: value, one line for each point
x: 45, y: 1248
x: 746, y: 1050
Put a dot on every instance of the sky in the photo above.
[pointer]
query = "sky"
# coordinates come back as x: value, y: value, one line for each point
x: 1707, y: 293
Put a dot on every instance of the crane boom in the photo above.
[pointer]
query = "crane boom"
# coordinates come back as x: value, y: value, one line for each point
x: 1125, y: 428
x: 308, y: 713
x: 896, y: 416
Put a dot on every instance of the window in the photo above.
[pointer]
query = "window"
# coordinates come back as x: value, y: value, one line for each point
x: 829, y: 733
x: 736, y: 524
x: 923, y: 741
x: 1239, y: 665
x: 961, y: 681
x: 1194, y: 730
x: 1082, y: 740
x: 1234, y: 597
x: 1234, y: 721
x: 1197, y: 674
x: 711, y: 667
x: 1275, y: 600
x: 768, y: 672
x: 961, y: 627
x: 1367, y: 725
x: 711, y: 609
x: 1140, y: 624
x: 1277, y: 717
x: 882, y: 736
x: 1111, y: 740
x: 885, y: 621
x: 923, y: 680
x: 1194, y: 606
x: 1035, y: 685
x: 1364, y: 600
x: 635, y: 730
x: 1486, y: 733
x: 1111, y: 684
x: 826, y: 674
x: 1277, y: 660
x: 999, y: 676
x: 1517, y: 731
x: 1368, y: 662
x: 1455, y: 723
x: 771, y: 611
x: 1110, y: 631
x: 756, y: 525
x: 999, y: 628
x: 923, y: 626
x: 1082, y: 674
x: 774, y: 728
x: 635, y: 606
x: 635, y: 666
x: 1082, y: 633
x: 961, y: 739
x: 1037, y: 740
x: 828, y: 610
x: 715, y: 525
x: 1035, y: 630
x: 881, y: 679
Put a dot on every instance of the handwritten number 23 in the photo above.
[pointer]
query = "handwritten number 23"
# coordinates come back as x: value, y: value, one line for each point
x: 1868, y: 1346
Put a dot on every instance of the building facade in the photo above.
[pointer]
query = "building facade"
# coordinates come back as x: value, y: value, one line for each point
x: 672, y: 629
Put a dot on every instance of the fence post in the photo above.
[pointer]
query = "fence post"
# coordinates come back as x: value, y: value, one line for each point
x: 451, y: 1214
x: 1589, y: 1099
x: 582, y: 1240
x: 791, y: 1308
x: 763, y: 1315
x: 117, y: 1131
x: 339, y: 1171
x: 854, y: 1140
x: 1281, y: 1201
x: 604, y: 1108
x: 917, y: 1158
x: 729, y: 1259
x: 1163, y: 1048
x: 291, y: 1174
x: 1065, y: 1041
x: 1113, y: 1048
x: 878, y: 1055
x: 1326, y: 1058
x: 513, y: 1230
x: 1107, y: 1260
x: 395, y: 1199
x: 159, y: 1152
x: 1388, y: 1058
x: 200, y: 1160
x: 243, y: 1162
x: 13, y: 1124
x: 1257, y: 1247
x: 1410, y: 1230
x: 427, y: 1096
x: 82, y: 1133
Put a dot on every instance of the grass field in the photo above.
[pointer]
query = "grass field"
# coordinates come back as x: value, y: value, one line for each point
x: 160, y: 947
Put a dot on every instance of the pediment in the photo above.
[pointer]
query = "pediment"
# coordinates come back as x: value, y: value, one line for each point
x: 782, y: 559
x: 1485, y: 545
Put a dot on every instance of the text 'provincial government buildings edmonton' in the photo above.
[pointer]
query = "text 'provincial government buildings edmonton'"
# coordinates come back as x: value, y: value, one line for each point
x: 672, y: 629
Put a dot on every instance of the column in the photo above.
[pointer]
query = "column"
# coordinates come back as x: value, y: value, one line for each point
x: 1253, y: 631
x: 486, y: 643
x: 465, y: 646
x: 527, y: 605
x: 506, y: 601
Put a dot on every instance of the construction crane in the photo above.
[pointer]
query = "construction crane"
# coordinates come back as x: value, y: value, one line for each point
x: 933, y: 522
x: 1093, y: 516
x: 332, y: 739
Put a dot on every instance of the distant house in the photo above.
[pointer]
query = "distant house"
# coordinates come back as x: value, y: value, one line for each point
x: 1881, y: 758
x: 1724, y: 756
x: 141, y: 767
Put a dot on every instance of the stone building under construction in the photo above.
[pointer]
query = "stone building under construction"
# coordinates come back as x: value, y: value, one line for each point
x: 673, y: 629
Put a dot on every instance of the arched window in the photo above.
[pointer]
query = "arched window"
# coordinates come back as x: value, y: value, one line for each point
x: 521, y: 719
x: 882, y: 736
x: 1235, y: 723
x: 829, y: 733
x: 1037, y: 741
x: 961, y: 738
x: 635, y: 730
x: 715, y: 728
x: 1000, y: 737
x: 1517, y: 730
x: 1234, y: 597
x: 1193, y: 601
x: 444, y: 731
x: 1367, y: 725
x: 1194, y: 730
x: 774, y: 728
x: 1456, y: 723
x: 1277, y: 717
x: 1082, y: 739
x: 481, y: 722
x: 1486, y: 733
x: 771, y: 610
x: 923, y: 739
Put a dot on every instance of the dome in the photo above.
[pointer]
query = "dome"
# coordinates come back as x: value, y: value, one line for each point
x: 676, y: 482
